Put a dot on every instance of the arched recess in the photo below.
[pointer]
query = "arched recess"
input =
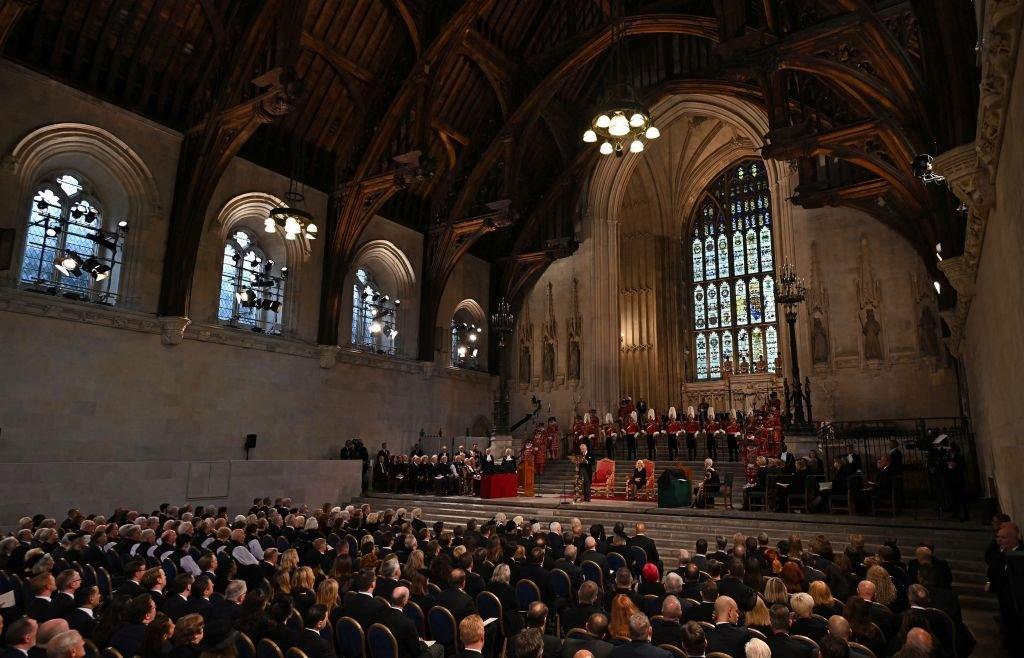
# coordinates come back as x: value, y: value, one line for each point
x: 393, y: 271
x: 250, y: 209
x: 119, y: 174
x: 469, y: 311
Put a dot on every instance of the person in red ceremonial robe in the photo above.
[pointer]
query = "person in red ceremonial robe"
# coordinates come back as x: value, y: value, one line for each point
x: 575, y: 432
x: 540, y: 446
x: 554, y: 437
x: 611, y: 432
x: 652, y: 429
x: 774, y: 403
x: 673, y: 429
x: 711, y: 429
x: 733, y: 432
x: 632, y: 429
x: 691, y: 427
x: 625, y: 409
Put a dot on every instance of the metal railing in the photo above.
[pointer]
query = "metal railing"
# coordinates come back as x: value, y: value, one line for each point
x: 915, y: 436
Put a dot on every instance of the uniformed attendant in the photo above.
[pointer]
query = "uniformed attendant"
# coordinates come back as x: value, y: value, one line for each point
x: 632, y: 429
x: 673, y: 430
x: 611, y: 432
x: 691, y: 427
x: 712, y: 428
x: 733, y: 431
x: 651, y: 431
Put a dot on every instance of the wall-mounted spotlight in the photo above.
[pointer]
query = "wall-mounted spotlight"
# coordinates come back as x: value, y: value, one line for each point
x: 923, y: 168
x: 70, y: 264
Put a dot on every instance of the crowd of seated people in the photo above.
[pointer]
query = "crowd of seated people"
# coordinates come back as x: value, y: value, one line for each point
x: 199, y: 583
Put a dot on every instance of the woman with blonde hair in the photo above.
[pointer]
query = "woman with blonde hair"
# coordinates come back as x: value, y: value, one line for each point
x: 414, y: 564
x: 289, y: 560
x: 775, y: 592
x: 622, y: 609
x: 758, y: 618
x: 327, y: 595
x: 885, y: 591
x: 281, y: 582
x: 824, y: 603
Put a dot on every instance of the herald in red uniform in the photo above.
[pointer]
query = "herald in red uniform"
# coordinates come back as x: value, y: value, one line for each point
x: 711, y: 429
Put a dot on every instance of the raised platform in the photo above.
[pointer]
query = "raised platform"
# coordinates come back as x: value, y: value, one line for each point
x: 962, y: 544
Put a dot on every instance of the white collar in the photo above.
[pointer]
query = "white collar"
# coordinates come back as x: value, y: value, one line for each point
x: 88, y: 611
x: 370, y: 594
x: 45, y: 598
x: 312, y: 630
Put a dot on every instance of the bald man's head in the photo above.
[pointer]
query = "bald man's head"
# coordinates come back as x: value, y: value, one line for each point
x: 726, y: 610
x: 670, y: 609
x: 1008, y: 536
x: 866, y: 590
x: 583, y: 653
x: 838, y: 626
x: 920, y: 639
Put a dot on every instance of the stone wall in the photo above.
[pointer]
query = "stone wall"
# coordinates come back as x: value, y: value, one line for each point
x: 98, y: 383
x: 51, y: 488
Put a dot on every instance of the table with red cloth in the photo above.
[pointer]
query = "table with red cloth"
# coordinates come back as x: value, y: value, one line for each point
x: 499, y: 485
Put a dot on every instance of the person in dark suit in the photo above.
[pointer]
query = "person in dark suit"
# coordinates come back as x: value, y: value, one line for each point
x: 694, y: 641
x: 40, y: 607
x: 537, y: 621
x: 643, y: 541
x: 230, y: 607
x: 133, y: 570
x: 278, y: 631
x: 639, y: 645
x: 781, y: 644
x: 591, y: 554
x: 310, y: 640
x: 567, y: 563
x: 727, y: 636
x: 471, y: 635
x: 361, y: 604
x: 177, y: 604
x: 460, y: 604
x: 21, y: 637
x: 787, y: 459
x: 881, y: 488
x: 534, y: 570
x: 63, y: 600
x: 731, y: 585
x: 706, y: 610
x: 388, y: 581
x: 596, y: 630
x: 804, y: 623
x: 896, y: 457
x: 82, y: 617
x: 403, y: 628
x: 587, y: 467
x: 499, y: 586
x: 668, y: 629
x: 576, y: 615
x: 127, y: 640
x: 199, y: 602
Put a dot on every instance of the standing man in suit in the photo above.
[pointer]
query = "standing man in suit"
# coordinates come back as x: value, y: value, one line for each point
x: 788, y: 460
x: 853, y: 459
x: 587, y: 466
x: 310, y: 641
x: 404, y: 629
x: 1000, y: 583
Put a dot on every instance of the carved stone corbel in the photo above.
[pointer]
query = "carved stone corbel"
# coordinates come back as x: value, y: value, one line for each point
x: 328, y: 355
x: 172, y: 329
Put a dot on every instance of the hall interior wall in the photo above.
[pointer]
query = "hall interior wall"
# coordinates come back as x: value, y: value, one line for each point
x: 86, y: 382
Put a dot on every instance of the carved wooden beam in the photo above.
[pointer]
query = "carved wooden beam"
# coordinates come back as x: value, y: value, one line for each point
x: 229, y: 122
x: 349, y: 73
x: 446, y: 245
x: 499, y: 70
x: 401, y: 8
x: 10, y: 12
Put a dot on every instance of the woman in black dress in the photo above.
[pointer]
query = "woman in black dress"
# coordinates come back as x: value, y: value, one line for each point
x: 638, y: 481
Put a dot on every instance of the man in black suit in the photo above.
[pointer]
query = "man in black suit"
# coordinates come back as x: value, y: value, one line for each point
x: 591, y: 554
x: 388, y: 581
x: 576, y: 616
x: 727, y: 636
x: 639, y: 641
x: 700, y: 557
x: 706, y: 610
x: 731, y: 585
x: 592, y: 640
x: 781, y: 644
x: 623, y: 586
x: 587, y: 467
x: 231, y: 606
x: 82, y: 617
x: 278, y: 632
x: 21, y: 637
x: 643, y: 541
x: 534, y: 570
x: 40, y: 607
x: 804, y: 623
x: 471, y: 635
x: 881, y: 488
x: 63, y: 600
x: 787, y: 460
x: 361, y: 604
x: 199, y: 603
x: 133, y: 570
x: 853, y: 459
x: 567, y: 563
x: 694, y: 642
x: 454, y: 598
x: 668, y: 629
x: 403, y: 627
x: 177, y: 604
x: 310, y: 640
x: 948, y: 602
x: 537, y: 621
x: 691, y: 582
x: 153, y: 582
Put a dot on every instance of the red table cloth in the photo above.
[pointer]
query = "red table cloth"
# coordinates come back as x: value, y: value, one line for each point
x: 499, y: 485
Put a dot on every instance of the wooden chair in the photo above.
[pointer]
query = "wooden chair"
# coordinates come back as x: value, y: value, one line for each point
x: 652, y: 604
x: 268, y: 649
x: 887, y: 504
x: 349, y: 638
x: 381, y: 642
x: 639, y: 558
x: 863, y: 649
x: 244, y: 646
x: 170, y: 571
x: 526, y: 593
x: 105, y: 584
x: 650, y: 488
x: 615, y: 561
x: 561, y: 585
x: 592, y: 572
x: 283, y: 545
x: 707, y: 626
x: 433, y: 589
x: 808, y: 641
x: 489, y: 605
x: 943, y: 628
x: 92, y: 650
x: 674, y: 650
x: 111, y: 652
x: 296, y: 652
x: 718, y: 654
x: 581, y: 634
x: 758, y: 634
x: 756, y: 499
x: 846, y: 502
x: 443, y: 628
x: 414, y: 612
x: 604, y: 478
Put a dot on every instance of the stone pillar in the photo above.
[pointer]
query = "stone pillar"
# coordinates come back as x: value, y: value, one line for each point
x: 603, y: 365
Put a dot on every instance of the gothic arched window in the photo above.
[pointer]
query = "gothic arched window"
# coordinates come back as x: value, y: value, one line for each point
x: 732, y: 274
x: 71, y: 248
x: 251, y: 293
x: 374, y: 315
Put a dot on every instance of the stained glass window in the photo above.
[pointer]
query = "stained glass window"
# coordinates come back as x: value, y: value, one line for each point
x: 732, y: 260
x: 251, y: 292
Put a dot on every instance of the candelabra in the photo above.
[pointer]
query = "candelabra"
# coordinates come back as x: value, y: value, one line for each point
x: 502, y: 323
x: 791, y: 293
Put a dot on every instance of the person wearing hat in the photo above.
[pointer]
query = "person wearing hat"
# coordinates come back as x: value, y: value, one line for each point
x: 711, y: 430
x: 673, y: 429
x: 691, y: 427
x: 631, y: 431
x: 611, y: 432
x: 651, y: 431
x: 733, y: 431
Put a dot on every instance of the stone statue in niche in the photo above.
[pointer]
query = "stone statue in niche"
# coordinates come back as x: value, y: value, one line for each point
x: 574, y: 326
x: 744, y: 365
x: 926, y: 333
x: 574, y: 360
x: 819, y: 342
x: 524, y: 364
x: 872, y: 331
x: 549, y: 361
